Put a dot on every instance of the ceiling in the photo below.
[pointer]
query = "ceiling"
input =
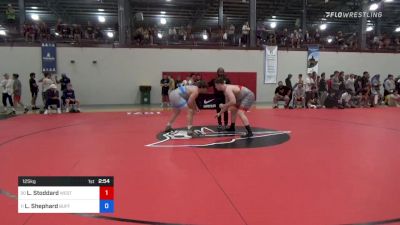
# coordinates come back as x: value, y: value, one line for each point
x: 204, y: 13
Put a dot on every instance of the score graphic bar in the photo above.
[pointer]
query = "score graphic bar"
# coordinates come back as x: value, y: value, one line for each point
x: 65, y: 194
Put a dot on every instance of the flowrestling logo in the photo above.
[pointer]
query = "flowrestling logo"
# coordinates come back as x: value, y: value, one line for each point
x: 209, y: 137
x: 353, y: 14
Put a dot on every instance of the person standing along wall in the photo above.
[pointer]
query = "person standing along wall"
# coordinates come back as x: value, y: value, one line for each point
x: 34, y: 90
x: 7, y: 85
x: 164, y: 83
x: 17, y: 92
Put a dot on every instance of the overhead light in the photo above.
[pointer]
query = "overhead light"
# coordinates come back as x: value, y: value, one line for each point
x: 330, y: 40
x: 101, y: 19
x: 163, y: 12
x: 100, y: 10
x: 57, y: 34
x: 163, y: 21
x: 205, y: 36
x: 110, y: 34
x: 397, y: 29
x: 388, y: 1
x: 168, y: 0
x: 323, y: 26
x: 3, y: 33
x: 373, y: 7
x: 273, y: 25
x: 35, y: 17
x: 273, y: 17
x: 159, y: 35
x: 34, y: 7
x: 370, y: 28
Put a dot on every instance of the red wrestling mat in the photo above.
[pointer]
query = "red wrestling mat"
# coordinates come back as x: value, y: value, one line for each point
x: 305, y: 167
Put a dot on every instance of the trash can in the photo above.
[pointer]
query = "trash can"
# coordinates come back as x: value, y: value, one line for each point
x: 145, y: 94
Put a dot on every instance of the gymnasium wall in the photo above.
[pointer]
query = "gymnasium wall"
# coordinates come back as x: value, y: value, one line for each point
x: 118, y: 72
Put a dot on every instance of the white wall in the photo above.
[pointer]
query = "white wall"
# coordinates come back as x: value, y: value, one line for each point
x: 118, y: 72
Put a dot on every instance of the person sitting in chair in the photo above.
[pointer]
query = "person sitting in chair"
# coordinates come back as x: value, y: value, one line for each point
x: 52, y: 98
x: 299, y: 95
x: 282, y: 93
x: 70, y: 99
x: 313, y: 98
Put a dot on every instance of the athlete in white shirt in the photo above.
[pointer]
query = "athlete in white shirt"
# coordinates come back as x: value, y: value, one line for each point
x: 7, y: 86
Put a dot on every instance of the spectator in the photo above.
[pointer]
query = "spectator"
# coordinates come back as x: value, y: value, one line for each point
x: 77, y: 33
x: 284, y: 36
x: 231, y: 34
x: 245, y: 34
x: 192, y: 79
x: 329, y: 82
x: 389, y: 85
x: 34, y: 90
x: 17, y: 92
x: 46, y: 82
x: 308, y: 84
x: 342, y: 86
x: 365, y: 93
x: 299, y: 95
x: 7, y: 85
x: 307, y: 38
x: 171, y: 83
x: 335, y: 88
x: 340, y: 40
x: 186, y: 81
x: 397, y: 81
x: 317, y: 37
x: 331, y: 101
x: 300, y: 80
x: 178, y: 82
x: 295, y: 38
x: 10, y: 15
x: 323, y: 89
x: 139, y: 36
x: 349, y: 83
x: 89, y: 33
x: 376, y: 96
x: 164, y: 83
x: 64, y: 81
x: 313, y: 99
x: 199, y: 77
x: 345, y: 100
x: 52, y: 98
x: 29, y: 32
x: 393, y: 99
x: 59, y: 27
x: 70, y: 99
x: 397, y: 43
x: 282, y: 93
x: 220, y: 98
x: 351, y: 41
x: 288, y: 81
x: 43, y: 32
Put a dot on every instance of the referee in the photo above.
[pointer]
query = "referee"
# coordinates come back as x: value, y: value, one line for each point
x: 220, y: 98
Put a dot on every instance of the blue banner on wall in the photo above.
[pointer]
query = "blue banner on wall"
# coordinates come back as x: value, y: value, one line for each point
x: 49, y: 57
x: 313, y: 59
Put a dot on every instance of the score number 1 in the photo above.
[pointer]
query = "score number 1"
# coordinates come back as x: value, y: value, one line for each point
x: 106, y: 199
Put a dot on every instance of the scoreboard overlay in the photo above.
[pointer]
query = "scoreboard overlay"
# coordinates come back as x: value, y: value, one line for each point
x: 65, y: 194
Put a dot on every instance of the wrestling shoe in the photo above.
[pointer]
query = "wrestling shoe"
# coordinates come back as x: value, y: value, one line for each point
x: 230, y: 129
x: 168, y: 129
x: 247, y: 135
x: 190, y: 132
